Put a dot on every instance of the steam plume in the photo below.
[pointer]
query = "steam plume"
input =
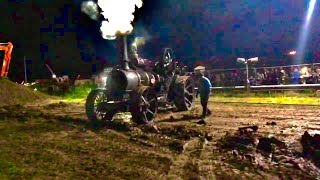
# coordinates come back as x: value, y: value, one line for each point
x: 139, y: 41
x: 142, y: 36
x: 118, y: 15
x: 90, y: 8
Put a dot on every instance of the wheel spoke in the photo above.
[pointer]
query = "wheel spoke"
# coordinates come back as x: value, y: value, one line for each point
x: 188, y: 101
x: 151, y: 100
x: 144, y: 100
x: 98, y: 106
x: 149, y: 111
x: 190, y: 85
x: 187, y: 92
x: 102, y: 115
x: 145, y: 116
x: 98, y: 114
x: 98, y: 98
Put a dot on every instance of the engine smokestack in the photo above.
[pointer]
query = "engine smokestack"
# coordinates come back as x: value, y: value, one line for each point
x: 122, y: 52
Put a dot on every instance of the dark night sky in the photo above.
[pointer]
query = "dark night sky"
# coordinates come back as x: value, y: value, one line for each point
x: 58, y: 33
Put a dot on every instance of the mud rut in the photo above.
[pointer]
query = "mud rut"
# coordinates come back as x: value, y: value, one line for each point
x: 285, y: 122
x: 198, y: 156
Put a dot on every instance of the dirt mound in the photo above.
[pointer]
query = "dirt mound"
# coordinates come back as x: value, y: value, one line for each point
x: 13, y: 93
x: 247, y: 149
x: 311, y: 147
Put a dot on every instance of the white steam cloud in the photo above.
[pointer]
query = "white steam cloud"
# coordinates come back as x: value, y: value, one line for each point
x: 139, y: 41
x: 90, y: 8
x: 119, y: 15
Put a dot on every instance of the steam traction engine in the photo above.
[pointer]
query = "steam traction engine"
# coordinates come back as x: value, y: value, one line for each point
x: 132, y: 87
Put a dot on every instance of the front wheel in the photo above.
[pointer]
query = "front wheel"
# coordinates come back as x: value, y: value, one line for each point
x: 96, y: 108
x: 143, y: 105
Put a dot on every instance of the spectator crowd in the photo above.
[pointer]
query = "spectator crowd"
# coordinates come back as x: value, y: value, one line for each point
x: 300, y: 74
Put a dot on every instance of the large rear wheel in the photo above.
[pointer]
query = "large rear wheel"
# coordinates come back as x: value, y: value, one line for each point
x: 143, y: 105
x: 183, y: 91
x: 96, y: 108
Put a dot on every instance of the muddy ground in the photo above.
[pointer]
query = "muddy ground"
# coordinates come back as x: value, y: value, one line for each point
x: 50, y: 141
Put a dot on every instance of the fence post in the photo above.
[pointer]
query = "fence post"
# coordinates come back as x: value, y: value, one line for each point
x: 248, y: 81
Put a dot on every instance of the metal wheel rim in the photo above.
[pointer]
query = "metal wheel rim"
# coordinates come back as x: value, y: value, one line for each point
x: 189, y: 93
x: 100, y: 98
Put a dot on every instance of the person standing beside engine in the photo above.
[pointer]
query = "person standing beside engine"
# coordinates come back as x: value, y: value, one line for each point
x: 204, y: 89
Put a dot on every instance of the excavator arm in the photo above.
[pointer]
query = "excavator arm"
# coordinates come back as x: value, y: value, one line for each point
x: 7, y: 48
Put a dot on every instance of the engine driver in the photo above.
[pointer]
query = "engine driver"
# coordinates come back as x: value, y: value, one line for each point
x: 133, y: 54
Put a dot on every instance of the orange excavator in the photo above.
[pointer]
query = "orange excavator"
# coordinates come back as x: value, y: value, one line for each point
x: 7, y: 48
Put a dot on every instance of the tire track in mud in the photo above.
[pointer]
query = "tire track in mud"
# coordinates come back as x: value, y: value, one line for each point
x: 199, y: 160
x: 185, y: 165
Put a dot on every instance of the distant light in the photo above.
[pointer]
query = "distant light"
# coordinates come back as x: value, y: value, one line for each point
x: 35, y: 89
x: 291, y: 53
x: 54, y: 76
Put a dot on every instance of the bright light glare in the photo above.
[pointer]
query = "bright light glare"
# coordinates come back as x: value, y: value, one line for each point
x: 311, y: 8
x: 104, y: 79
x: 54, y: 76
x: 292, y: 52
x: 304, y: 32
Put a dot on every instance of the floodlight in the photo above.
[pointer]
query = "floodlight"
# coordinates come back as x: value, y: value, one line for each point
x: 253, y: 60
x: 241, y: 60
